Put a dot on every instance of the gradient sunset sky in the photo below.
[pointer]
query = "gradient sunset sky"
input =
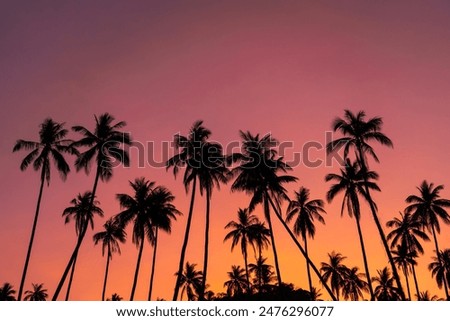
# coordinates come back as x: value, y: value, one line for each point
x: 285, y: 67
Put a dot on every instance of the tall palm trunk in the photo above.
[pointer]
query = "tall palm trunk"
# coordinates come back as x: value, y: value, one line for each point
x: 72, y: 272
x: 246, y: 268
x: 366, y: 264
x: 185, y: 242
x: 272, y: 238
x: 360, y: 158
x: 33, y: 231
x: 138, y: 264
x: 316, y: 271
x: 308, y: 269
x: 415, y: 280
x: 405, y: 272
x: 77, y: 247
x: 108, y: 258
x: 205, y: 254
x: 438, y: 254
x: 152, y: 274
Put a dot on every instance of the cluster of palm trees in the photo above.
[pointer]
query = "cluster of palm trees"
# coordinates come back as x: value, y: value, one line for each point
x: 261, y: 173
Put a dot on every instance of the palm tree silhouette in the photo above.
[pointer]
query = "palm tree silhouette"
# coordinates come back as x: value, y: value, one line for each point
x: 440, y: 268
x: 105, y: 147
x: 162, y: 212
x: 404, y: 258
x: 110, y: 237
x: 385, y: 290
x: 37, y: 294
x: 115, y: 297
x: 191, y: 281
x: 315, y: 294
x: 353, y: 284
x: 263, y: 274
x: 82, y: 211
x: 244, y: 232
x: 426, y: 296
x: 136, y: 210
x: 406, y: 232
x: 203, y: 162
x: 237, y: 281
x: 7, y: 292
x: 334, y: 271
x: 51, y: 145
x: 357, y: 134
x: 351, y: 182
x: 428, y: 208
x: 306, y: 211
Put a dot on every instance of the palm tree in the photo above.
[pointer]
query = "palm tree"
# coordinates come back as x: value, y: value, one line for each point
x: 105, y: 148
x: 357, y: 134
x: 37, y: 294
x: 203, y: 162
x: 406, y: 232
x: 51, y: 145
x: 260, y: 238
x: 243, y: 232
x: 82, y: 211
x: 404, y: 259
x: 428, y: 208
x: 306, y: 211
x: 315, y: 294
x: 7, y: 292
x: 110, y: 237
x: 385, y: 290
x: 440, y: 268
x: 351, y: 182
x: 353, y: 284
x: 162, y: 212
x: 237, y: 281
x: 136, y: 210
x: 426, y: 296
x: 115, y: 297
x: 334, y: 271
x: 263, y: 274
x: 191, y: 281
x: 258, y: 175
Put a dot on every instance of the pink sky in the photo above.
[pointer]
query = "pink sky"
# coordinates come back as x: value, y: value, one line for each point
x: 286, y: 67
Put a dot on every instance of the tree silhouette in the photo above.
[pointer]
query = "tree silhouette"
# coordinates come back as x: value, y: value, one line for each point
x: 7, y: 292
x: 237, y: 281
x: 110, y: 237
x: 191, y: 282
x: 406, y: 232
x: 351, y: 182
x: 306, y: 211
x: 426, y: 296
x: 404, y: 258
x: 334, y: 271
x: 353, y: 284
x: 428, y: 208
x: 37, y: 294
x: 51, y: 145
x: 82, y: 212
x: 105, y: 148
x: 440, y: 268
x: 263, y: 273
x: 385, y: 290
x: 115, y: 297
x: 357, y: 134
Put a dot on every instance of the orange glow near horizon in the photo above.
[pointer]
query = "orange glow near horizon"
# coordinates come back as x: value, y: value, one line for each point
x: 288, y: 68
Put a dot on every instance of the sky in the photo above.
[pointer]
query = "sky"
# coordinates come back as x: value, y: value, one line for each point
x: 282, y: 67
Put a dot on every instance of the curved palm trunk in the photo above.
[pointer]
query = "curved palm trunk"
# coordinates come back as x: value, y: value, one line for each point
x: 308, y: 269
x: 316, y: 271
x: 415, y: 280
x: 405, y: 272
x: 272, y: 238
x: 246, y: 268
x: 108, y: 258
x: 30, y: 245
x: 360, y: 157
x: 185, y: 242
x: 152, y: 274
x: 438, y: 254
x: 72, y: 272
x: 366, y: 264
x: 77, y: 247
x: 205, y: 255
x: 136, y: 272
